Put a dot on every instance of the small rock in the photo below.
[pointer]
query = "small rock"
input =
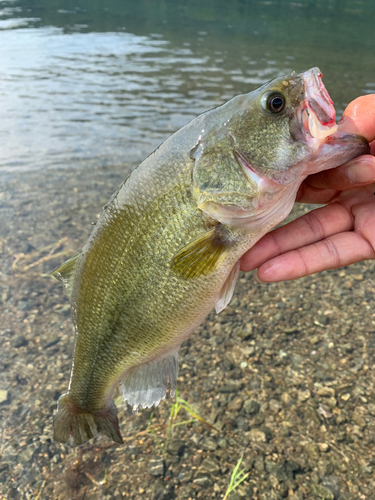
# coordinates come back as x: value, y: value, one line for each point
x: 326, y: 391
x: 341, y: 418
x: 312, y: 451
x: 246, y: 333
x: 284, y: 432
x: 26, y: 455
x: 259, y: 463
x: 235, y: 405
x: 323, y: 447
x: 303, y: 395
x: 332, y: 484
x: 244, y: 491
x: 314, y: 339
x: 208, y: 386
x: 176, y: 447
x: 210, y: 465
x: 242, y: 424
x: 160, y: 491
x: 231, y: 386
x: 275, y: 406
x: 359, y: 420
x: 297, y: 360
x: 23, y: 305
x: 19, y: 341
x: 156, y: 467
x: 223, y: 443
x: 203, y: 481
x: 4, y: 396
x: 235, y: 495
x: 185, y: 476
x: 292, y: 466
x: 331, y: 402
x: 290, y: 330
x: 325, y: 411
x: 258, y: 419
x: 320, y: 491
x: 257, y: 435
x: 281, y: 473
x: 209, y: 444
x: 286, y: 398
x: 254, y: 384
x: 267, y: 431
x: 251, y: 407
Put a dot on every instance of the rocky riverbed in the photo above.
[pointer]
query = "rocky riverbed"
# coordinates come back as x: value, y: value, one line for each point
x: 285, y: 375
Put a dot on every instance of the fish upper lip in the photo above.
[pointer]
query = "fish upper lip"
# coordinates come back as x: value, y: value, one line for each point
x: 317, y: 99
x: 316, y: 113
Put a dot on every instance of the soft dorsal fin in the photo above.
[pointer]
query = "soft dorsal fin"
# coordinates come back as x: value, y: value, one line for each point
x: 65, y: 273
x: 203, y: 255
x: 228, y: 288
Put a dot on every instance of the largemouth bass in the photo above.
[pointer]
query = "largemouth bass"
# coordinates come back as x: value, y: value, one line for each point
x: 167, y: 247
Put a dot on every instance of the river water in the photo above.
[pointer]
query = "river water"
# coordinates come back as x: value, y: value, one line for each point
x: 87, y: 90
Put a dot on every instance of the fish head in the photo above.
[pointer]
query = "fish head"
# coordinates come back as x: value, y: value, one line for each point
x: 258, y: 148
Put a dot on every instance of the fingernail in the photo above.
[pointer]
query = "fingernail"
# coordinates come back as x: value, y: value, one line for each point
x: 256, y: 277
x: 361, y: 171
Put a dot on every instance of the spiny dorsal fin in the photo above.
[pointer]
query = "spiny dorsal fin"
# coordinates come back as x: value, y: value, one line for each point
x: 65, y: 273
x: 203, y: 255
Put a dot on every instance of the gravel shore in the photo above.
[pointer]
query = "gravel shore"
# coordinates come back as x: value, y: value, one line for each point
x: 285, y: 374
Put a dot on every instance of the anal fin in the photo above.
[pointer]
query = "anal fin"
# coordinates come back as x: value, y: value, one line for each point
x: 228, y: 288
x: 146, y: 385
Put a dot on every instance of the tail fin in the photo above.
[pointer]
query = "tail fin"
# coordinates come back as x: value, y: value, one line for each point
x: 71, y: 420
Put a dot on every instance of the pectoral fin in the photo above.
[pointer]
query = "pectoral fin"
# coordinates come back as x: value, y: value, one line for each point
x: 228, y: 289
x: 65, y: 273
x: 203, y: 255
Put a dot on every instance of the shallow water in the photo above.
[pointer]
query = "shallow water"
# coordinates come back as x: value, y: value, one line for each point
x: 86, y: 92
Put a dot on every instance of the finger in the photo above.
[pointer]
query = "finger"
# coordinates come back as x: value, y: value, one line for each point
x: 314, y: 226
x: 356, y: 173
x: 359, y: 117
x: 310, y: 194
x: 336, y: 251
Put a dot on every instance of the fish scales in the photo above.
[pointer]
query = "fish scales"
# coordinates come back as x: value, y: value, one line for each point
x: 140, y: 287
x: 167, y: 246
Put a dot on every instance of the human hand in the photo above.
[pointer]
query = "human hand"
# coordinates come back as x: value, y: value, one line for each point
x: 336, y: 235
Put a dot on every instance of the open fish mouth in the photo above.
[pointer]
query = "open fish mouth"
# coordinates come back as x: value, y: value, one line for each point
x: 316, y: 113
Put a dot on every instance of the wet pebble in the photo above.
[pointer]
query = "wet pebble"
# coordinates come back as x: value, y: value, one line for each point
x: 231, y: 386
x: 156, y: 467
x: 257, y: 435
x: 242, y: 424
x: 203, y: 481
x: 209, y: 465
x: 176, y: 447
x: 251, y: 407
x: 4, y: 396
x: 19, y: 341
x: 209, y: 444
x: 320, y: 491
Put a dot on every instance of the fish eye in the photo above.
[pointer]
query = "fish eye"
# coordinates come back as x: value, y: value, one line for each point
x: 273, y: 102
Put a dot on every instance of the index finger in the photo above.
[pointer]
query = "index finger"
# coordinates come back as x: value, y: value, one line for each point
x: 359, y: 117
